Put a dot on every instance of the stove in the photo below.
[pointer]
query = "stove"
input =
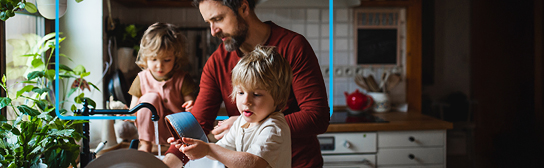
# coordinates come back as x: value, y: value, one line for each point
x: 341, y: 117
x: 350, y: 149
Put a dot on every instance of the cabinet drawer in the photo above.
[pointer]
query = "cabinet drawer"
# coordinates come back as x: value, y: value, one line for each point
x: 411, y: 138
x: 413, y: 156
x: 342, y: 143
x: 349, y: 161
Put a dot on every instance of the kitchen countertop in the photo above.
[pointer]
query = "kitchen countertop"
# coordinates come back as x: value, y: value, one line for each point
x: 398, y: 121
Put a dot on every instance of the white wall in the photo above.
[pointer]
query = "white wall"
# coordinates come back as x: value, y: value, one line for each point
x: 82, y: 25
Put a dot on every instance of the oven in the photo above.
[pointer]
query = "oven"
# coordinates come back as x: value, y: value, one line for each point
x: 350, y: 149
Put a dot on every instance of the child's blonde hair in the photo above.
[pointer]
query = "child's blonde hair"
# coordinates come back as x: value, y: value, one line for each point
x: 266, y: 69
x: 162, y: 37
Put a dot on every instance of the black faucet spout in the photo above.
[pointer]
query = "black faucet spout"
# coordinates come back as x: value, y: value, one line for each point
x: 154, y: 115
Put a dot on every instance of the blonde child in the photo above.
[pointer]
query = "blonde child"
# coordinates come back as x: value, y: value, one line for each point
x: 162, y: 82
x: 261, y: 137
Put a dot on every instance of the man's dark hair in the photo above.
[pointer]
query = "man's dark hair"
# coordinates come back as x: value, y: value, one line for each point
x: 232, y: 4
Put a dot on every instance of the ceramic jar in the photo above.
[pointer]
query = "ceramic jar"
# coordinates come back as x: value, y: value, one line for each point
x: 382, y: 102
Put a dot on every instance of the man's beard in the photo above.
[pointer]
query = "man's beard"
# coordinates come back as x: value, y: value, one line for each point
x: 237, y: 38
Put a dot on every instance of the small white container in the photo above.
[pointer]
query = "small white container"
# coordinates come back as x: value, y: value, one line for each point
x: 382, y: 102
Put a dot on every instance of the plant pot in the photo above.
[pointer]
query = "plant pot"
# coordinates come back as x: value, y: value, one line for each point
x: 126, y: 61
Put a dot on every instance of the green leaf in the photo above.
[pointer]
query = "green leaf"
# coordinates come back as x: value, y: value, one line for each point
x: 64, y: 67
x: 10, y: 13
x: 27, y: 88
x: 37, y: 62
x: 4, y: 101
x: 90, y: 101
x: 94, y: 86
x: 30, y: 55
x: 41, y: 104
x: 34, y: 74
x: 65, y: 132
x: 29, y: 82
x: 3, y: 16
x: 40, y: 90
x: 15, y: 131
x: 78, y: 70
x: 49, y: 109
x: 73, y: 108
x: 50, y: 74
x: 30, y: 7
x: 27, y: 110
x: 79, y: 99
x: 2, y: 118
x: 6, y: 126
x: 85, y: 74
x: 65, y: 76
x: 63, y: 55
x: 4, y: 79
x: 71, y: 91
x: 63, y: 111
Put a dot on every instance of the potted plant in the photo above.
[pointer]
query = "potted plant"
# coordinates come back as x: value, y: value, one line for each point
x: 8, y: 8
x: 37, y: 134
x: 127, y: 37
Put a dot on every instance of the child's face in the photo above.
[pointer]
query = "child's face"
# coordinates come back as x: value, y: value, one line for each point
x: 254, y: 105
x: 161, y: 65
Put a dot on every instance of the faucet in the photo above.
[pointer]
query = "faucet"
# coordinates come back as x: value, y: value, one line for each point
x: 85, y: 154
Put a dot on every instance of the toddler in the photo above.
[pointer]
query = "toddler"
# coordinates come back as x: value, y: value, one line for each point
x: 163, y: 83
x: 261, y: 84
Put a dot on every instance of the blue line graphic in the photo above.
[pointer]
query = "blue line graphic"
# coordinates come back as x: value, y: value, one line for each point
x: 331, y: 67
x: 331, y: 60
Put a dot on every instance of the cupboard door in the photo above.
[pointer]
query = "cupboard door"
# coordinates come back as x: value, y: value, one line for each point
x: 410, y: 156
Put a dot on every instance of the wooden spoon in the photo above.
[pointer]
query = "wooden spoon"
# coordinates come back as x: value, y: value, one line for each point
x: 372, y: 83
x: 394, y: 80
x: 361, y: 82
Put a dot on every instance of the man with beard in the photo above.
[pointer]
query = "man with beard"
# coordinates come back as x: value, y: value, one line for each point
x: 307, y: 111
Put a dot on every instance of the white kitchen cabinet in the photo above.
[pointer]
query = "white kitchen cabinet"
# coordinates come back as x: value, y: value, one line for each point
x: 411, y: 148
x: 390, y: 149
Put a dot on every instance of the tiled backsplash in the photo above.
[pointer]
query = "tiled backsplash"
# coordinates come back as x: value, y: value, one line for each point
x: 312, y: 23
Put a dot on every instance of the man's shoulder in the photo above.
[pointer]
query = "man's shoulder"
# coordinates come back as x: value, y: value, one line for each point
x: 283, y: 33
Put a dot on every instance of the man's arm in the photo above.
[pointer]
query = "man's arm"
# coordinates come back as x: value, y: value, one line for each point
x: 308, y: 89
x: 209, y: 98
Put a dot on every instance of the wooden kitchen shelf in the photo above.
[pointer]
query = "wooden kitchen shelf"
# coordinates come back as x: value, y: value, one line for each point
x: 156, y: 3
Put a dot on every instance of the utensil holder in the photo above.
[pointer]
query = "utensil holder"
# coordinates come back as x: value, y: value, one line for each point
x: 382, y: 102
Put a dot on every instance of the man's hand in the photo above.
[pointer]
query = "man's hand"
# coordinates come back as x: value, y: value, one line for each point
x: 194, y: 148
x: 188, y: 105
x: 223, y: 127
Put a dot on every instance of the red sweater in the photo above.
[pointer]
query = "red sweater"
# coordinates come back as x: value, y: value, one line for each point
x: 307, y: 111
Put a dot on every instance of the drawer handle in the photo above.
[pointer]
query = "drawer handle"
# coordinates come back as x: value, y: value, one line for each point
x: 411, y: 139
x: 411, y: 156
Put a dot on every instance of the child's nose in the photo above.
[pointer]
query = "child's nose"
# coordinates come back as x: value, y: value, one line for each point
x: 247, y: 101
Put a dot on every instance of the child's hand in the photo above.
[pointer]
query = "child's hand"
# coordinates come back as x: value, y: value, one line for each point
x: 223, y: 127
x: 194, y: 148
x: 188, y: 105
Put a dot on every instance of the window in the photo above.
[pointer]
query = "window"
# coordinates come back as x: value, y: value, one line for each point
x: 14, y: 66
